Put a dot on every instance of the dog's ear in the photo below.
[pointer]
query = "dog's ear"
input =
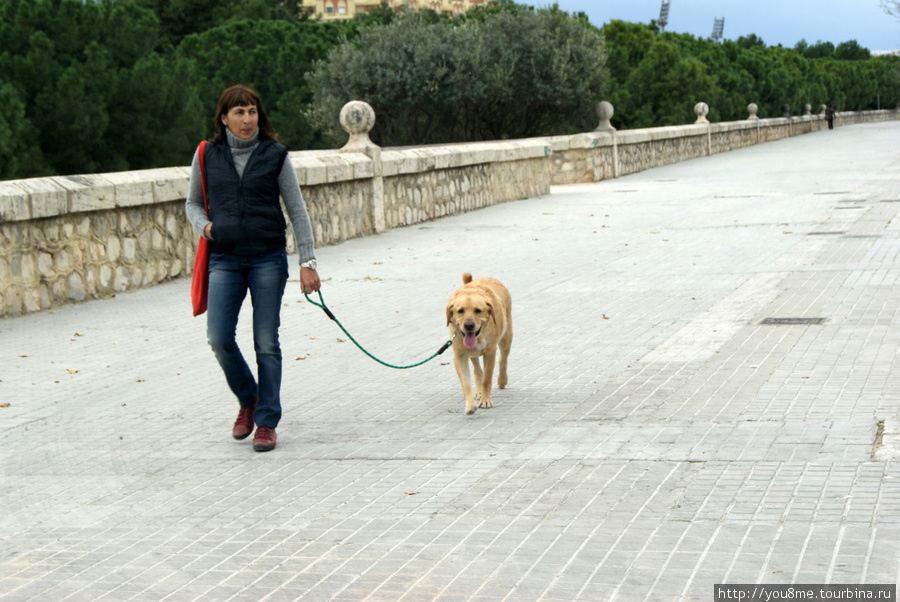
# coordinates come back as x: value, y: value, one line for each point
x: 449, y: 312
x: 490, y: 308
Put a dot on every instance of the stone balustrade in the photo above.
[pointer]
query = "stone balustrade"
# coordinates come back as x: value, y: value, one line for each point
x: 72, y: 238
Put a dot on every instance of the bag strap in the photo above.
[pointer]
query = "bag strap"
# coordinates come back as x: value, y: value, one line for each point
x: 201, y: 151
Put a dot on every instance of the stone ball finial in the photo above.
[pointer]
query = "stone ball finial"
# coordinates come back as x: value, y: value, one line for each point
x: 604, y: 112
x: 785, y: 110
x: 753, y: 109
x: 358, y: 119
x: 702, y: 110
x: 823, y: 108
x: 807, y: 109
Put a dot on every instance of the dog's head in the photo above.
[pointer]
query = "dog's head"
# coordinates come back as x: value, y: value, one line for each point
x: 469, y: 310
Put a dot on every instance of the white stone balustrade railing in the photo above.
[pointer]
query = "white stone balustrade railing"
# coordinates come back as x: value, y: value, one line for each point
x: 72, y: 238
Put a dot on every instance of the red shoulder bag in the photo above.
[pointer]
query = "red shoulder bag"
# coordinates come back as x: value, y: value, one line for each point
x: 200, y: 280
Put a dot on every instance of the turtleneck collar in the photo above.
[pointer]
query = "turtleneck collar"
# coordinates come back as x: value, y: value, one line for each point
x: 239, y: 143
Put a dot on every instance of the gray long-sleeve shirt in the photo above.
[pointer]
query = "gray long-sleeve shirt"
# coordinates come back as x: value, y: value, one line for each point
x: 288, y: 187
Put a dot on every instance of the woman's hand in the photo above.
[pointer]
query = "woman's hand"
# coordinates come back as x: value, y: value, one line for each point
x: 309, y: 280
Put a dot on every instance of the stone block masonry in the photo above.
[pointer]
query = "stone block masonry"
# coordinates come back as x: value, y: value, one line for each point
x: 75, y: 238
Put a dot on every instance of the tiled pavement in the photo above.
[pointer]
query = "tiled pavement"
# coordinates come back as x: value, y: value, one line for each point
x: 656, y: 438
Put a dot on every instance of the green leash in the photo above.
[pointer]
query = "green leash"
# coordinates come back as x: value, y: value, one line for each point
x: 327, y: 311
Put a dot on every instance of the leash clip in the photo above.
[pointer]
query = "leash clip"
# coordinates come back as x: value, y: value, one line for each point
x: 446, y: 345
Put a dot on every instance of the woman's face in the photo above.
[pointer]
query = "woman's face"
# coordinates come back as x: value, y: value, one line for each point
x: 242, y: 121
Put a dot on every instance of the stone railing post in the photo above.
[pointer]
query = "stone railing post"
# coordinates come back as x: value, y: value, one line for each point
x: 358, y: 119
x: 702, y: 110
x: 807, y: 110
x: 605, y: 111
x: 753, y: 109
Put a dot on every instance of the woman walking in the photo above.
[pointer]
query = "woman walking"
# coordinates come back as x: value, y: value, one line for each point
x: 246, y: 171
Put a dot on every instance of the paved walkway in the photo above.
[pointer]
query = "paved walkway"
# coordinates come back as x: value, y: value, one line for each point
x: 656, y: 438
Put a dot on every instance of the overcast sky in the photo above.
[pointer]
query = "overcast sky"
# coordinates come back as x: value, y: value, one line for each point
x: 782, y: 22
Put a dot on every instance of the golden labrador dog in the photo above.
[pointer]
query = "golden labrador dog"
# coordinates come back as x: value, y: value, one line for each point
x: 479, y: 315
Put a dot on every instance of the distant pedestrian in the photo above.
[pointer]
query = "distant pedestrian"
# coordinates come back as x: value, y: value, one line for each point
x: 246, y: 171
x: 829, y: 116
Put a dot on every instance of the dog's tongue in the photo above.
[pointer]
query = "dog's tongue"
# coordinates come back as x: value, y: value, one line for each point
x: 470, y: 340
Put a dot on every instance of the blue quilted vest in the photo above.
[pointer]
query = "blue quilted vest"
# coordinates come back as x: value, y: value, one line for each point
x: 245, y: 211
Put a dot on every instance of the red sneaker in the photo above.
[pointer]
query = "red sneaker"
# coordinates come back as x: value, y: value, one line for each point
x: 264, y: 440
x: 243, y: 426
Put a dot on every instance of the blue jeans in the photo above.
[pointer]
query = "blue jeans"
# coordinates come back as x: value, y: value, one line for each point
x: 230, y: 277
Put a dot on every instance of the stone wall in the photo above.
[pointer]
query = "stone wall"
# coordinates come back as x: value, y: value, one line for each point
x: 608, y: 153
x: 75, y: 238
x: 423, y: 196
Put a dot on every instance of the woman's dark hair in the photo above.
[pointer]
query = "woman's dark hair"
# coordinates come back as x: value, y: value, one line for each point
x: 241, y: 96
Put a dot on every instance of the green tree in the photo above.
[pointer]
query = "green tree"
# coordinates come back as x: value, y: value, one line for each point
x: 270, y: 56
x: 20, y: 153
x: 751, y: 41
x: 162, y: 119
x: 851, y: 51
x: 819, y: 50
x: 66, y: 60
x: 665, y: 86
x: 181, y: 18
x: 505, y: 74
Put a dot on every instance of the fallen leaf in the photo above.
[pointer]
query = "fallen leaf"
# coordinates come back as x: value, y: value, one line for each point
x: 4, y: 405
x: 79, y: 334
x: 72, y: 371
x: 340, y: 340
x: 25, y: 355
x: 411, y: 492
x: 313, y: 338
x: 140, y: 380
x: 300, y: 357
x: 605, y: 317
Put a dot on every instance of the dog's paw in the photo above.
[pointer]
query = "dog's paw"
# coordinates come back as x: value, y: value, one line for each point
x: 470, y: 409
x: 485, y: 403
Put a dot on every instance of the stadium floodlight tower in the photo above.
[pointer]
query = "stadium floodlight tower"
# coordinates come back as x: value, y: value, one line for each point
x: 663, y: 15
x: 718, y: 28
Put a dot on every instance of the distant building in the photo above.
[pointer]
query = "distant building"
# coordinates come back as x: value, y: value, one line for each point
x: 885, y: 53
x: 346, y: 9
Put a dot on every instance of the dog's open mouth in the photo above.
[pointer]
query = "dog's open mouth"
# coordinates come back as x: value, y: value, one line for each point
x: 470, y: 339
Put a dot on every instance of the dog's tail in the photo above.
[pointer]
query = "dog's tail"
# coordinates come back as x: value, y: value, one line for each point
x: 467, y: 278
